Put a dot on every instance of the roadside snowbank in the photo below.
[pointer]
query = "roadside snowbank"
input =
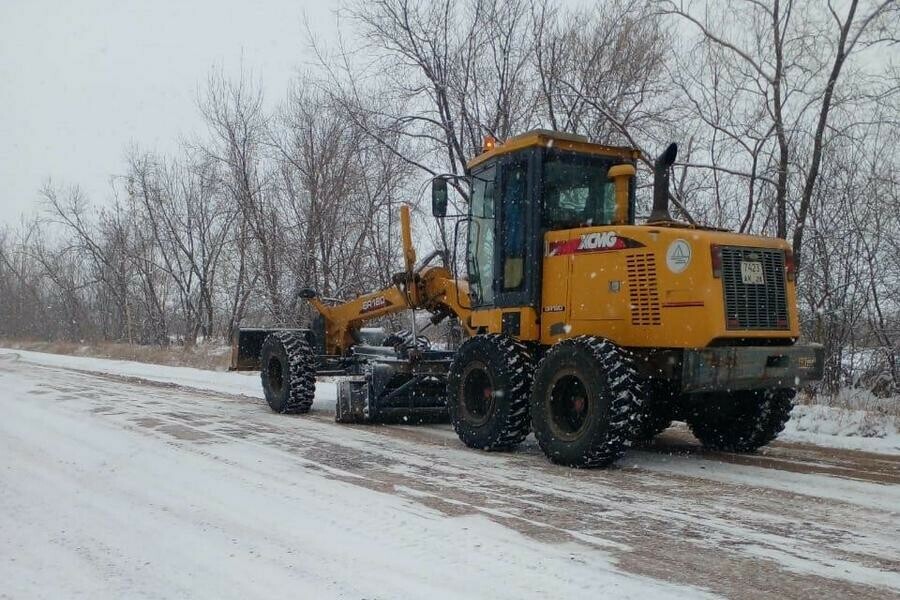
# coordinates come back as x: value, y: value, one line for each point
x: 855, y: 429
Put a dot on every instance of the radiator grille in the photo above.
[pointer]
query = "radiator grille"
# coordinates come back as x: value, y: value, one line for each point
x: 754, y: 306
x: 642, y: 291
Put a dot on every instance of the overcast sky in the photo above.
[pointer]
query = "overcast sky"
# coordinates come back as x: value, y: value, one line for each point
x: 81, y: 80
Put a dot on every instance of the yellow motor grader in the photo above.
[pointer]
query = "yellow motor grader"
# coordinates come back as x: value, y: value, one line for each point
x: 588, y: 329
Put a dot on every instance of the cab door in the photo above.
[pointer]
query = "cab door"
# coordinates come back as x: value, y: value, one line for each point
x: 504, y: 246
x: 518, y: 259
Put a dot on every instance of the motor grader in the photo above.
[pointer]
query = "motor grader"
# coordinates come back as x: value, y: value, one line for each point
x: 580, y: 325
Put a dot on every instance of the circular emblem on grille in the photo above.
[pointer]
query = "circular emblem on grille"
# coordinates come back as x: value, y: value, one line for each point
x: 678, y: 256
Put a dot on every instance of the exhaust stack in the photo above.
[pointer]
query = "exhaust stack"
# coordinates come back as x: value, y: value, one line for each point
x: 660, y: 210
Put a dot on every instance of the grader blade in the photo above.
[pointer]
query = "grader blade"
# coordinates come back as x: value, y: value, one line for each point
x: 246, y: 344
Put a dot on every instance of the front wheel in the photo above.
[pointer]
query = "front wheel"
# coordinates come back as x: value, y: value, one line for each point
x: 487, y: 392
x: 586, y: 402
x: 740, y: 421
x: 288, y: 372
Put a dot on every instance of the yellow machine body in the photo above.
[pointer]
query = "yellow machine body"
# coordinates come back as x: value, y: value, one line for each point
x: 639, y: 286
x: 432, y: 288
x: 673, y: 320
x: 552, y: 139
x: 642, y: 286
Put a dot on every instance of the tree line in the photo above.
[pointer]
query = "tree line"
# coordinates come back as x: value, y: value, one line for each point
x: 786, y: 112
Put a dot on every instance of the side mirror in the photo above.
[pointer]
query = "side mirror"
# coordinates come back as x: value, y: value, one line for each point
x: 439, y: 197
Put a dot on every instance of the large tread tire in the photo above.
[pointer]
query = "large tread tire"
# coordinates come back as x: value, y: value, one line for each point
x: 741, y: 421
x: 586, y: 404
x: 288, y: 372
x: 488, y: 389
x: 658, y: 410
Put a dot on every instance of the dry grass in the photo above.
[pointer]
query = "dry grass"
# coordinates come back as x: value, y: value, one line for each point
x: 201, y: 356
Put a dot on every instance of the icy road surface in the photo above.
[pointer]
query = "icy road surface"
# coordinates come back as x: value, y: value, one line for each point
x: 115, y: 486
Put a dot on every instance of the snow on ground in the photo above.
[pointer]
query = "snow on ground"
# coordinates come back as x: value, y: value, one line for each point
x: 836, y: 427
x: 821, y: 425
x: 113, y: 487
x: 89, y: 508
x: 233, y: 383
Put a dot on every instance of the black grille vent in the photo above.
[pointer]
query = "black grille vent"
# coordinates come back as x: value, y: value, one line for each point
x: 754, y: 305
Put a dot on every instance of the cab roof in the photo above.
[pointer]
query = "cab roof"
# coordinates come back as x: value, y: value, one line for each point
x: 553, y: 139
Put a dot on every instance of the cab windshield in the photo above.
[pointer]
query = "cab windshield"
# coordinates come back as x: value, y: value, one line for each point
x: 576, y: 192
x: 481, y: 238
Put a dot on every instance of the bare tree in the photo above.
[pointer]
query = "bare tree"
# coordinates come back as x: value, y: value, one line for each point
x: 781, y: 70
x: 238, y: 130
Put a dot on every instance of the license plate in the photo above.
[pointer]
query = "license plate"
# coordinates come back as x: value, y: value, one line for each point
x: 752, y: 273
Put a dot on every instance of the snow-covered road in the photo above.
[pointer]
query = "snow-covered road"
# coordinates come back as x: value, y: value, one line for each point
x: 115, y: 483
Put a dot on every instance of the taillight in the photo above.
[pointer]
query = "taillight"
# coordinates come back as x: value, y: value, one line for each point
x: 715, y: 251
x: 789, y: 268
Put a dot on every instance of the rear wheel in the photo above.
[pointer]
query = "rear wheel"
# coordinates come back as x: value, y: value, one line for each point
x: 487, y: 392
x: 741, y: 421
x: 288, y: 372
x: 586, y: 402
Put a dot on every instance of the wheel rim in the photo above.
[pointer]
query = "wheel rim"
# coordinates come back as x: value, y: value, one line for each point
x: 477, y: 394
x: 568, y: 406
x: 275, y: 374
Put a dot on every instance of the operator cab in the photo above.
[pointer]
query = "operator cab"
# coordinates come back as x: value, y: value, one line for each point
x: 534, y: 183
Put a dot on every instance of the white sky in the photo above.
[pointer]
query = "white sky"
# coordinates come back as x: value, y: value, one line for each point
x: 80, y: 80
